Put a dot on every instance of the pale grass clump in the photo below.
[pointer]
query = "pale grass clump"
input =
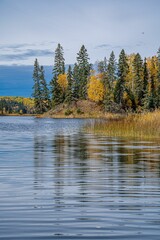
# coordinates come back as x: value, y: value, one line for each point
x: 145, y: 125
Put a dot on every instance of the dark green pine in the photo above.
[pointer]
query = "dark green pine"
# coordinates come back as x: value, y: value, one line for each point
x: 36, y: 88
x: 58, y: 68
x: 76, y: 83
x: 158, y: 78
x: 111, y: 71
x: 69, y: 92
x: 139, y: 81
x: 59, y: 61
x: 122, y: 73
x: 55, y: 91
x: 45, y: 97
x: 102, y: 66
x: 83, y: 72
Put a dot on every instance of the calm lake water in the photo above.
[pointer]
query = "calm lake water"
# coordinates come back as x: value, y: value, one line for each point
x: 57, y: 182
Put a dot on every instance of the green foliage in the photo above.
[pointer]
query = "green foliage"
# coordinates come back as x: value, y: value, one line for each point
x: 58, y: 68
x: 76, y: 84
x: 68, y: 112
x: 122, y: 74
x: 45, y: 98
x: 102, y: 66
x: 82, y: 73
x: 36, y: 87
x: 59, y: 61
x: 69, y: 91
x: 16, y: 105
x: 79, y: 111
x: 40, y: 89
x: 131, y: 85
x: 111, y: 71
x: 138, y: 78
x: 158, y: 79
x: 56, y: 92
x: 145, y: 80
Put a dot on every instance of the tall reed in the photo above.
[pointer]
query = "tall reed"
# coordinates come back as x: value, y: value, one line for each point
x: 145, y: 125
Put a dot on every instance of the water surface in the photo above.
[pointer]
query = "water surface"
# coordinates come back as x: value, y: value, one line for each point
x: 58, y: 182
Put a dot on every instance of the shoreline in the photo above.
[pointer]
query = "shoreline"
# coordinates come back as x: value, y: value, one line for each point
x: 18, y: 115
x: 106, y: 116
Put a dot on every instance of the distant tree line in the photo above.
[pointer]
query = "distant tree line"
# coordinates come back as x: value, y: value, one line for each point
x: 129, y: 84
x: 16, y: 105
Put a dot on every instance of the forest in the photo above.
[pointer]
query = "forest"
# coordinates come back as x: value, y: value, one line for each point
x: 129, y: 84
x: 16, y: 105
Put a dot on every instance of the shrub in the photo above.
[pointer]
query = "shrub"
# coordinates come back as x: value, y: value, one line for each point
x: 68, y: 112
x: 79, y: 111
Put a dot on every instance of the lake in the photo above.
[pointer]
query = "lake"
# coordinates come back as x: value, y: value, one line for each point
x: 58, y: 182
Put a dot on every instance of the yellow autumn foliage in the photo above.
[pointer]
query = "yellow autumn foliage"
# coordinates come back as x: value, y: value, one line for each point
x: 152, y: 64
x: 62, y: 81
x: 130, y: 76
x: 95, y: 89
x: 127, y: 100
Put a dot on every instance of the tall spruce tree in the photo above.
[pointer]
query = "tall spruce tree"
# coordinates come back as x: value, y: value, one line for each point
x: 145, y: 77
x: 152, y: 96
x: 40, y: 89
x: 153, y: 78
x: 36, y: 88
x: 138, y: 78
x: 69, y: 92
x: 158, y: 79
x: 122, y: 73
x: 76, y: 84
x: 102, y: 66
x: 108, y: 81
x: 111, y: 71
x: 45, y: 98
x: 83, y: 68
x: 145, y: 96
x: 58, y: 68
x: 59, y: 61
x: 150, y: 100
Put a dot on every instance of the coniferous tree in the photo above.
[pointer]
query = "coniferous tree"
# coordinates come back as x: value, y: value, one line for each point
x: 152, y: 96
x: 83, y: 68
x: 158, y: 79
x: 69, y: 92
x: 145, y: 77
x: 58, y: 68
x: 55, y: 91
x: 59, y: 61
x: 145, y: 96
x: 45, y: 98
x: 36, y: 88
x: 102, y: 69
x: 109, y: 78
x: 76, y: 84
x: 138, y: 78
x: 122, y: 73
x: 111, y: 71
x: 152, y: 92
x: 102, y: 66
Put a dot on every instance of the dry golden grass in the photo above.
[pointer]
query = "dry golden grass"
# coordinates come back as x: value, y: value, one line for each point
x: 146, y: 125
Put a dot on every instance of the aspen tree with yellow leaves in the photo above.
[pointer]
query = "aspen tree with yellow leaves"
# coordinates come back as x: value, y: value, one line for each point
x: 95, y: 89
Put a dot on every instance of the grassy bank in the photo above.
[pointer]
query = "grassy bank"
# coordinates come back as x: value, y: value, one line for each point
x: 78, y: 109
x: 146, y: 125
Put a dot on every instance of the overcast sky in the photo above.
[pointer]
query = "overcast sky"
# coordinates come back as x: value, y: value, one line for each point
x: 33, y: 28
